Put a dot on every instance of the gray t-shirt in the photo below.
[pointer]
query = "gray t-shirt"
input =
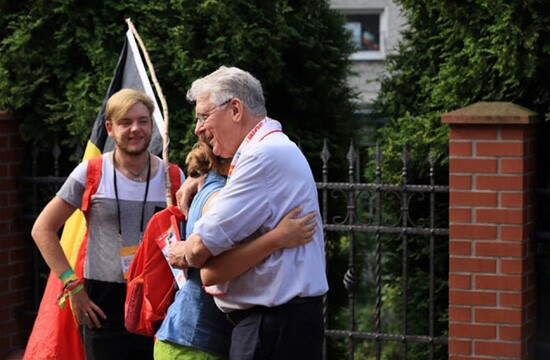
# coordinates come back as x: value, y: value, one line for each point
x: 104, y: 243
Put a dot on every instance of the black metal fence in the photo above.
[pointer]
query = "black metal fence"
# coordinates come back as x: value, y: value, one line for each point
x: 387, y: 257
x: 387, y: 252
x: 39, y: 187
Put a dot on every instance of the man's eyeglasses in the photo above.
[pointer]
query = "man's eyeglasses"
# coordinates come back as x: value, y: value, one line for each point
x: 201, y: 117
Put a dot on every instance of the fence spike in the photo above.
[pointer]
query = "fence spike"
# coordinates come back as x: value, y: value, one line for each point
x: 351, y: 153
x: 431, y: 156
x: 431, y: 161
x: 378, y: 157
x: 325, y: 154
x: 56, y: 152
x: 405, y: 157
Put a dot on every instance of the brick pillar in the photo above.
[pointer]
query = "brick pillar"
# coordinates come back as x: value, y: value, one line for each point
x: 491, y: 251
x: 15, y: 247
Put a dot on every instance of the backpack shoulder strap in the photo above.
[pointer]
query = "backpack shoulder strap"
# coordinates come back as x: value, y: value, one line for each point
x: 175, y: 179
x: 93, y: 175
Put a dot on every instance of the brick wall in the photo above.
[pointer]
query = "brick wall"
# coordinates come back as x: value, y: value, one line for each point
x: 16, y: 295
x: 491, y: 270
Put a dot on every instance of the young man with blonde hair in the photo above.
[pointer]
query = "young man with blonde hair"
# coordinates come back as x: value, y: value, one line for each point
x: 130, y: 188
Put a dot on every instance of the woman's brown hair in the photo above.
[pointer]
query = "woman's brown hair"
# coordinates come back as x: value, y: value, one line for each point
x: 201, y: 160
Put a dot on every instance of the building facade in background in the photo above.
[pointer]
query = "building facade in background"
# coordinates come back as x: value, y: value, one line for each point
x: 374, y: 26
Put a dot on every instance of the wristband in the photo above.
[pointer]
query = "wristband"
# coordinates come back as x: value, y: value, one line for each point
x: 72, y: 287
x: 66, y: 274
x: 69, y: 279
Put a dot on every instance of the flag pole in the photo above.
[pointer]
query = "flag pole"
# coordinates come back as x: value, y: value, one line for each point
x: 165, y: 138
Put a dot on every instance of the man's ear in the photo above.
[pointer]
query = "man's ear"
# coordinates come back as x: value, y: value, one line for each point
x: 109, y: 127
x: 237, y: 109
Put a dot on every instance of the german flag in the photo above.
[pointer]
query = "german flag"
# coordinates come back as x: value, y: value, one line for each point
x: 55, y: 334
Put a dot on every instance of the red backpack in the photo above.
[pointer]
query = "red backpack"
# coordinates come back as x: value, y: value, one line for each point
x: 151, y: 283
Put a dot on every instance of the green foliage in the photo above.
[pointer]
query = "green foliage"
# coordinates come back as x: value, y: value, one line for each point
x: 298, y: 50
x: 454, y: 54
x: 57, y: 58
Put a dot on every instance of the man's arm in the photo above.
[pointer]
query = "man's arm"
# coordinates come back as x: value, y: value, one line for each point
x: 44, y: 233
x: 191, y: 252
x: 196, y: 252
x: 185, y: 193
x: 290, y: 232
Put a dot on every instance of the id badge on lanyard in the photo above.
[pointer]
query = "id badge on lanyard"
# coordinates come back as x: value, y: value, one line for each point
x: 127, y: 254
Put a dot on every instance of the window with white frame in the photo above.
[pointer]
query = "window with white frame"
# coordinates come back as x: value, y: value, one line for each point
x: 367, y: 28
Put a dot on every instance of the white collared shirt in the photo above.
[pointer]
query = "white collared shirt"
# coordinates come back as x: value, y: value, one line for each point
x: 271, y: 178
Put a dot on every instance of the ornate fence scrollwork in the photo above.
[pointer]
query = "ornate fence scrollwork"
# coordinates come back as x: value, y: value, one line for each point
x: 395, y: 227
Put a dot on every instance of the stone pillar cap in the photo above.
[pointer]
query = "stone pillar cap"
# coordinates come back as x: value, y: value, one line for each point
x: 491, y: 112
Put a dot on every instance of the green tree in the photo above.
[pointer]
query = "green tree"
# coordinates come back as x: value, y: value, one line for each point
x: 454, y: 54
x: 57, y: 58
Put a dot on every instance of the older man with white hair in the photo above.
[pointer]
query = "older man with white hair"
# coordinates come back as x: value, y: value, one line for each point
x: 277, y: 305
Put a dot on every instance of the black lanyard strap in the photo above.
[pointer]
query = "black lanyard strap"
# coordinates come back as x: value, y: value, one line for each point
x: 144, y: 198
